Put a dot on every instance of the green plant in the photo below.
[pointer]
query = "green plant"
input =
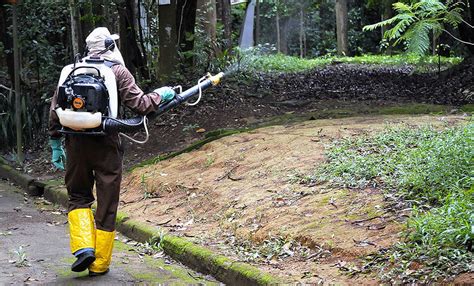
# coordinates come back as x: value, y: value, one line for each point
x: 190, y: 127
x: 144, y: 185
x: 415, y: 22
x: 428, y: 168
x: 156, y: 242
x: 209, y: 161
x: 21, y: 258
x: 281, y: 63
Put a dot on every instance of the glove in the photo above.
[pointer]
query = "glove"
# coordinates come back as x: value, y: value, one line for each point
x: 166, y: 93
x: 59, y: 157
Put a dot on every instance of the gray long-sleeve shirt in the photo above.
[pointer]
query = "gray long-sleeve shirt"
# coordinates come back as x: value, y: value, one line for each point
x: 128, y: 91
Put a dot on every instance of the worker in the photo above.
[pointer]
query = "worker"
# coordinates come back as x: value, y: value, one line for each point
x: 97, y: 160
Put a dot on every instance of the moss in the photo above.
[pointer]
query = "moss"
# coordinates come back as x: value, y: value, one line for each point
x: 254, y: 274
x: 121, y: 217
x: 174, y: 246
x: 467, y: 108
x: 65, y: 271
x: 414, y: 108
x: 120, y: 246
x: 175, y: 272
x: 146, y: 276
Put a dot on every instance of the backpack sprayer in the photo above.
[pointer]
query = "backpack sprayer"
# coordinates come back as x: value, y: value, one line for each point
x: 133, y: 124
x: 136, y: 123
x: 88, y: 100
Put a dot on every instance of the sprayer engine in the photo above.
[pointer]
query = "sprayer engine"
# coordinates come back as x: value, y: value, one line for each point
x: 84, y: 93
x: 87, y: 93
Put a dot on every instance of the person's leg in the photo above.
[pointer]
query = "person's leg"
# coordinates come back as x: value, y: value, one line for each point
x: 79, y: 182
x: 108, y: 174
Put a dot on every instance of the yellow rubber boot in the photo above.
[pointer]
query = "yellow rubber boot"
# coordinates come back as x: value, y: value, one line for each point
x: 104, y: 243
x: 82, y: 241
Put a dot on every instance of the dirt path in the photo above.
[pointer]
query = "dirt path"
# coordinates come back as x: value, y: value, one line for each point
x: 242, y: 196
x: 34, y: 249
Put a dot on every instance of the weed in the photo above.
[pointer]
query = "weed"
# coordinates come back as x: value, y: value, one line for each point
x: 144, y: 184
x: 209, y: 161
x: 156, y: 242
x: 433, y: 171
x: 21, y: 260
x: 270, y: 249
x: 190, y: 127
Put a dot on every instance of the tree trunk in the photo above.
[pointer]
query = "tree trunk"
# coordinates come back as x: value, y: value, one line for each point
x: 207, y: 17
x: 387, y: 13
x: 284, y: 35
x: 277, y: 19
x: 227, y: 23
x: 257, y: 23
x: 142, y: 38
x: 301, y: 33
x: 129, y: 47
x: 185, y: 22
x: 7, y: 42
x: 168, y: 35
x: 16, y: 55
x: 341, y: 27
x: 76, y: 38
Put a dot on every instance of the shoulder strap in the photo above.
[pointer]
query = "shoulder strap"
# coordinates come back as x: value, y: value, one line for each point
x: 110, y: 64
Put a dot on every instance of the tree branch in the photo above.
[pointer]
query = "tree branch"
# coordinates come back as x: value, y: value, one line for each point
x: 7, y: 88
x: 457, y: 39
x: 469, y: 25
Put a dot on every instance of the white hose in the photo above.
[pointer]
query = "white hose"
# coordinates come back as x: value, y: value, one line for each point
x: 145, y: 121
x: 200, y: 91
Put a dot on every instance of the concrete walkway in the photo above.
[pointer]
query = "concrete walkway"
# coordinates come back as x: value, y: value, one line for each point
x: 34, y: 249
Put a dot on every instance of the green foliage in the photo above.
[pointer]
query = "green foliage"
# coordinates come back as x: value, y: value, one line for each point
x: 422, y: 164
x: 42, y: 37
x: 282, y: 63
x: 415, y: 22
x: 432, y: 170
x: 449, y: 225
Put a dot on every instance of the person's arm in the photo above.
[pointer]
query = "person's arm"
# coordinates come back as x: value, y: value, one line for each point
x: 131, y: 95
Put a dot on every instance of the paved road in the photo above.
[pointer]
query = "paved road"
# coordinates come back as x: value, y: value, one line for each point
x: 34, y: 249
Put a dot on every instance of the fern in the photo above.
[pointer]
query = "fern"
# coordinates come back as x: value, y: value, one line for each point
x: 416, y: 21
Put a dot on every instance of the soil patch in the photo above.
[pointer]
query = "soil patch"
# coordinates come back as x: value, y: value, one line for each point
x: 242, y: 196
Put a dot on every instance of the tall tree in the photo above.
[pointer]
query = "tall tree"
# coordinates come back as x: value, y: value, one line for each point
x: 341, y: 27
x: 185, y: 23
x: 227, y: 23
x: 257, y: 23
x: 302, y: 35
x: 76, y: 33
x: 168, y: 35
x: 6, y: 40
x: 207, y: 17
x: 131, y: 52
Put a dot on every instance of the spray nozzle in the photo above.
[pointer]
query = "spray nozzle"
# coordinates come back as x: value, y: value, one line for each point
x: 216, y: 79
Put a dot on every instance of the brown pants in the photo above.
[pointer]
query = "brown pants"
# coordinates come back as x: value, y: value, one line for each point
x: 96, y: 159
